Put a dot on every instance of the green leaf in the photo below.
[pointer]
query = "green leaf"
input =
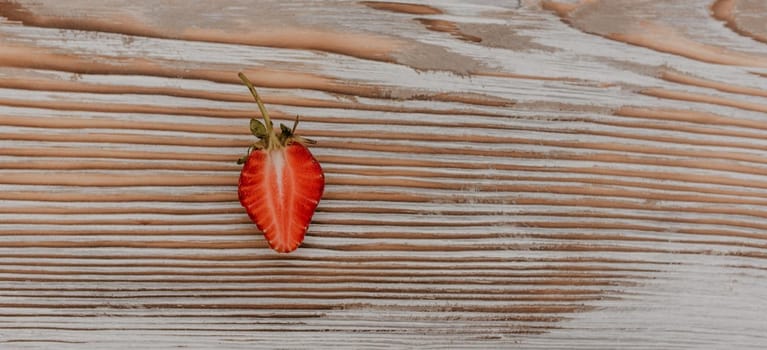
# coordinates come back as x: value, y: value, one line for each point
x: 295, y: 124
x: 286, y: 131
x: 257, y: 128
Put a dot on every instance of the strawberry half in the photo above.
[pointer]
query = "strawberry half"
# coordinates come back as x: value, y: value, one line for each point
x: 281, y: 182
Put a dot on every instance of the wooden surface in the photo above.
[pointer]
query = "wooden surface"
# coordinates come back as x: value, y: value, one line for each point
x: 551, y: 174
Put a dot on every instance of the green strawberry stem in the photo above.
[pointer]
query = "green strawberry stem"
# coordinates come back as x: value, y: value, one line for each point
x: 270, y: 134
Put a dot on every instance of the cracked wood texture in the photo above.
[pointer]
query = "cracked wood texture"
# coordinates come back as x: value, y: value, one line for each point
x: 536, y: 174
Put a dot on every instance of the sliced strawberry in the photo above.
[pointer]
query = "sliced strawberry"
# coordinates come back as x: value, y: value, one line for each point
x: 281, y: 182
x: 280, y: 190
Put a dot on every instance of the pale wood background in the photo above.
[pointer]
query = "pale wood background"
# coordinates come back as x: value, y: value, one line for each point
x: 553, y: 174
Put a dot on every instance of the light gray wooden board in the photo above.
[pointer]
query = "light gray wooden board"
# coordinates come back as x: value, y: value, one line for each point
x: 500, y: 174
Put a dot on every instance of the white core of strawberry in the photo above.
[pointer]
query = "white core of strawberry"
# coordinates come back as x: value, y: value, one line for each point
x: 277, y: 158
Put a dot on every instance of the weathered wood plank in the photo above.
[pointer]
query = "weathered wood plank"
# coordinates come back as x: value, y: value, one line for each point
x: 537, y: 174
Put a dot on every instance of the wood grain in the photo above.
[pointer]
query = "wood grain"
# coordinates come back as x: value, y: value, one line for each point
x: 543, y: 174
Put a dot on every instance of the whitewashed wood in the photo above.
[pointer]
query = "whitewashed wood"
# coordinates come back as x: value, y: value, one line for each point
x: 553, y: 174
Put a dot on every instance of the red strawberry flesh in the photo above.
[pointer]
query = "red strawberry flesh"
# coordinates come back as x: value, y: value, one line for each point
x: 280, y: 190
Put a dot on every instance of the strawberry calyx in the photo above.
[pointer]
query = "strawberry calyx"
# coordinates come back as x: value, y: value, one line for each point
x: 268, y: 138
